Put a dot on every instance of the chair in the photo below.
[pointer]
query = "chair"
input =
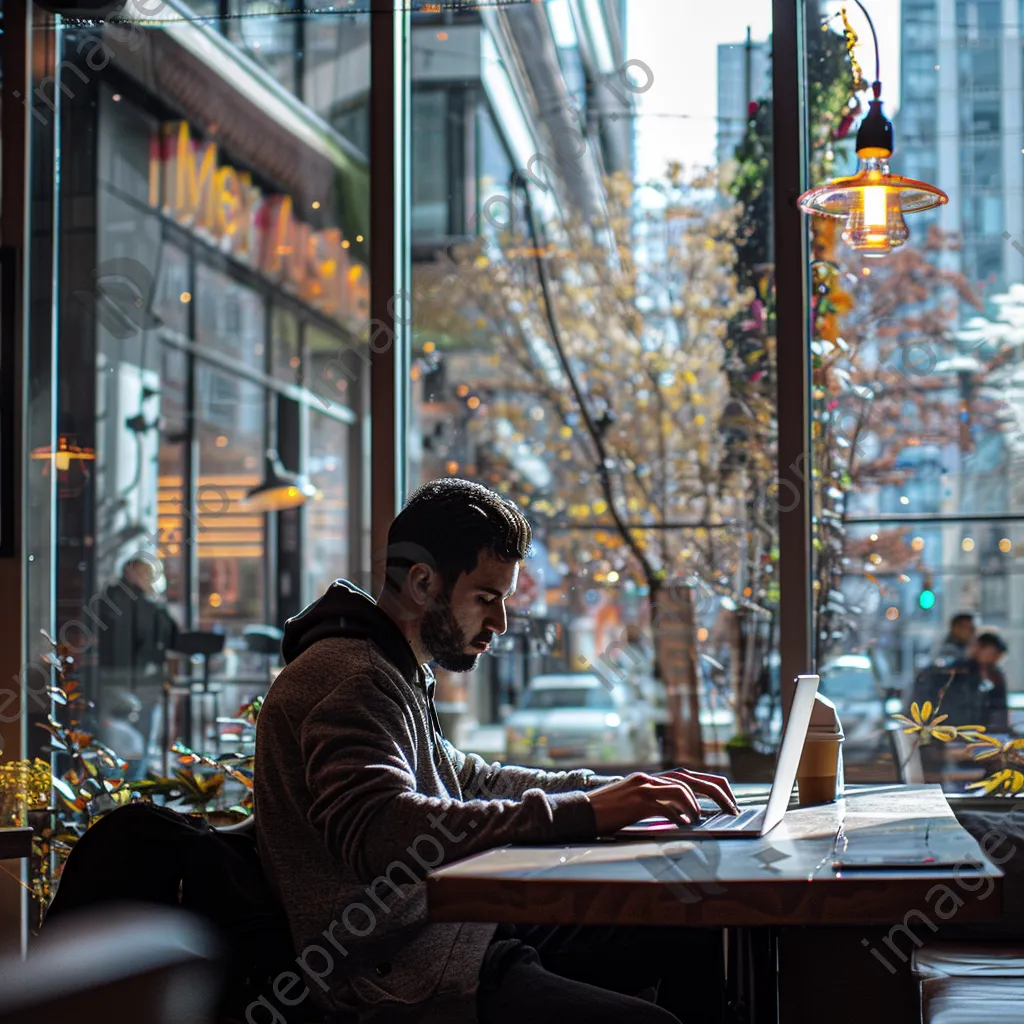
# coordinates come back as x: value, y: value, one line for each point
x: 964, y: 983
x: 246, y: 827
x: 908, y: 758
x: 132, y: 965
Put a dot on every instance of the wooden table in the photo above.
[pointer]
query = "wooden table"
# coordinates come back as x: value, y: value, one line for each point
x: 15, y: 842
x: 15, y: 845
x: 790, y: 914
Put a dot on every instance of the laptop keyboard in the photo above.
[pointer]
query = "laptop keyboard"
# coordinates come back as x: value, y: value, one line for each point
x: 720, y: 821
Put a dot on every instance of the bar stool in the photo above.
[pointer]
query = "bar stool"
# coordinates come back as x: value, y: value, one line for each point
x: 265, y: 641
x: 203, y: 645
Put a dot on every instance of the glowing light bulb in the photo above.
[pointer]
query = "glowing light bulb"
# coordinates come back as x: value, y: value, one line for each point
x: 875, y: 213
x: 62, y: 460
x: 875, y: 225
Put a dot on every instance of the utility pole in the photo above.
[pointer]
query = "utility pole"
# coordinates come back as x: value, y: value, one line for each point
x: 747, y: 72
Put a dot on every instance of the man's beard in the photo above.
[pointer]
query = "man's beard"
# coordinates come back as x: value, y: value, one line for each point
x: 442, y: 637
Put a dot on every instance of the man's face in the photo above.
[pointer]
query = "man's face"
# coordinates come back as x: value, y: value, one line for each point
x: 142, y: 575
x: 987, y: 654
x: 458, y: 627
x: 963, y: 631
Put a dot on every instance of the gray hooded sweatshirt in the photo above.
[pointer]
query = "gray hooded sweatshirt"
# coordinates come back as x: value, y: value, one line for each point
x: 358, y: 797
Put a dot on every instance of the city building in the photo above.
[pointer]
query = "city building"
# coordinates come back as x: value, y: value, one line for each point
x: 744, y: 76
x: 961, y: 120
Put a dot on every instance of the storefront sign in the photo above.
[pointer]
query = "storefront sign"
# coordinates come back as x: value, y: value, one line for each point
x: 221, y: 203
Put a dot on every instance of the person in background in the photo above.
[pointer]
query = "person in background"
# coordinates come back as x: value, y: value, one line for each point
x: 354, y: 783
x: 970, y: 690
x: 987, y: 653
x: 957, y: 645
x: 136, y: 631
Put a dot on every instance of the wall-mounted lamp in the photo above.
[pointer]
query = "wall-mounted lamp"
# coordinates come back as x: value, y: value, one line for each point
x: 279, y: 489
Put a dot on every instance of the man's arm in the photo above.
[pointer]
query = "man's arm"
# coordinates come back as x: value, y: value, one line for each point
x: 358, y: 748
x: 495, y: 780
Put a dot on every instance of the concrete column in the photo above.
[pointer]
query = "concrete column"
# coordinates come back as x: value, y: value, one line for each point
x: 1012, y: 122
x: 947, y: 115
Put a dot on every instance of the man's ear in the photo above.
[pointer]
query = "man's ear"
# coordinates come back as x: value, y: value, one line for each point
x: 420, y: 581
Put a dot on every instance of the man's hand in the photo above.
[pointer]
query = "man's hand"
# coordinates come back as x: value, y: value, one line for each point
x: 670, y: 795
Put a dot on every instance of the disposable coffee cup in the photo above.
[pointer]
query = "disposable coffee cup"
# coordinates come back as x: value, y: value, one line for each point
x: 819, y: 776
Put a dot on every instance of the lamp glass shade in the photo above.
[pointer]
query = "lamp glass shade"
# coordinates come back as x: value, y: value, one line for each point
x: 64, y: 453
x: 873, y: 203
x: 875, y: 226
x: 279, y: 490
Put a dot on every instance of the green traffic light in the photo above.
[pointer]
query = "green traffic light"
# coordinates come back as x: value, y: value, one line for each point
x: 926, y: 600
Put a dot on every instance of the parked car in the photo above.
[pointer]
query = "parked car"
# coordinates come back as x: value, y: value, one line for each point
x: 1015, y: 707
x: 573, y: 720
x: 864, y: 704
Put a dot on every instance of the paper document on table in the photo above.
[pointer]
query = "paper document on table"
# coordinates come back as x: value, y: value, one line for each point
x: 897, y: 848
x: 854, y: 862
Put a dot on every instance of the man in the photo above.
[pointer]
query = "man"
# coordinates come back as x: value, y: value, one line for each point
x: 989, y: 650
x: 968, y: 691
x: 358, y: 796
x: 135, y: 634
x: 957, y: 644
x: 136, y: 630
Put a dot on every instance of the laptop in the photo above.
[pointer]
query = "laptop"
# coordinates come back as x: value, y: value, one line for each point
x: 751, y: 822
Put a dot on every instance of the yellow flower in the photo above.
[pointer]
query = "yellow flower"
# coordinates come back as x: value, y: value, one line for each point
x: 1008, y: 779
x: 985, y: 747
x: 929, y: 730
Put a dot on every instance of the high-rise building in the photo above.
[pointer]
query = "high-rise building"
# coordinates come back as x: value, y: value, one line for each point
x: 744, y: 74
x: 961, y: 124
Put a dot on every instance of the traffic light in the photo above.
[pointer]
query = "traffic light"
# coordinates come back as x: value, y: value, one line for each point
x: 926, y: 599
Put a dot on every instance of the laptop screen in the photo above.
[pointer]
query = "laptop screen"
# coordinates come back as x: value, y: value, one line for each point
x: 792, y: 748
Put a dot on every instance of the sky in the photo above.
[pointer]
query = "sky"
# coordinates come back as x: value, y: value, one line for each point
x: 678, y: 40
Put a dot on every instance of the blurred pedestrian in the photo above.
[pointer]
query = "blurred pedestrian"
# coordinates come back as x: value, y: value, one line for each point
x: 970, y: 690
x: 957, y: 645
x: 136, y: 631
x: 987, y: 654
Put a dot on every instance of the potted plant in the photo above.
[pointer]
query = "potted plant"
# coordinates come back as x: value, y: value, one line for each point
x: 93, y: 780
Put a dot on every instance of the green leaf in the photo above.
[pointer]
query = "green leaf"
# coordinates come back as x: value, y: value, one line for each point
x: 64, y: 790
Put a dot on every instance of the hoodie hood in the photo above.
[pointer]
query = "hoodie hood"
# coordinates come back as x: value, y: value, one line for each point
x: 346, y: 611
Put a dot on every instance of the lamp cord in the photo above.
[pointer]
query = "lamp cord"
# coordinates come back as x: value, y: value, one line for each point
x: 874, y: 36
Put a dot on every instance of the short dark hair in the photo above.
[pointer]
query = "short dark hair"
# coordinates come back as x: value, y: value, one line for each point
x: 961, y: 617
x: 990, y: 638
x: 447, y: 523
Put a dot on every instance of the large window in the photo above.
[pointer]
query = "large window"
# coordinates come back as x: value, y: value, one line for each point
x: 592, y: 227
x: 229, y: 317
x: 600, y: 351
x: 329, y: 543
x: 206, y: 259
x: 915, y: 409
